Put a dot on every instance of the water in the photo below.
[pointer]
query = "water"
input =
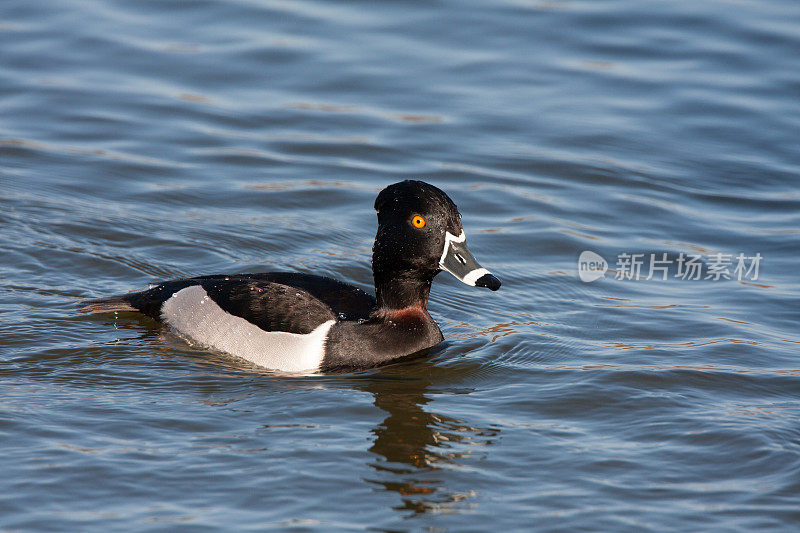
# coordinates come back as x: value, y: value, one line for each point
x: 142, y: 141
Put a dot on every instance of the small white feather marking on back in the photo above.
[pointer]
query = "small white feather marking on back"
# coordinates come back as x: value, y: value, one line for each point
x: 192, y: 313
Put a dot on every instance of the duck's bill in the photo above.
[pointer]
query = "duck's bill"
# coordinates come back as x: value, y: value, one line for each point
x: 457, y: 259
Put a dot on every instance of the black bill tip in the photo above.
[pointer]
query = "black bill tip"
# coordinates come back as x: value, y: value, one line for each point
x: 488, y: 281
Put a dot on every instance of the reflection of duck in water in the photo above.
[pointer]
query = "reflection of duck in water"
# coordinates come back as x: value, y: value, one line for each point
x: 414, y: 443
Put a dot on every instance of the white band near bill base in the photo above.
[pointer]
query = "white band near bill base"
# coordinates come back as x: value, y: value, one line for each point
x: 448, y: 238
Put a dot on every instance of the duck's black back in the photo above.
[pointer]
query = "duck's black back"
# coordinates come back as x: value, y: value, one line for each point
x: 315, y: 298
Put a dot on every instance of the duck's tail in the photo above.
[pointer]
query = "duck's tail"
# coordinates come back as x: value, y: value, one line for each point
x: 107, y: 305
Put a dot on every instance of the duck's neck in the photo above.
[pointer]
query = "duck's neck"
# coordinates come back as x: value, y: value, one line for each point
x: 402, y: 290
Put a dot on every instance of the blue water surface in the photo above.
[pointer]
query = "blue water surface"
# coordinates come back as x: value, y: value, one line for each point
x: 143, y: 141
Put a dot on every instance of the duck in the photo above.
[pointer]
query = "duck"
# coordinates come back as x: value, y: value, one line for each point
x: 306, y: 323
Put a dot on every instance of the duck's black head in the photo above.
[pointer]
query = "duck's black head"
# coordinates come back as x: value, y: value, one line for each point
x: 419, y: 235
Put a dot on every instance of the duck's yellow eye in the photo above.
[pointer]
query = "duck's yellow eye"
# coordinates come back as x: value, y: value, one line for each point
x: 418, y: 222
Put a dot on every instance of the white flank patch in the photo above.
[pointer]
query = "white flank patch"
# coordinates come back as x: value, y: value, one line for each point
x: 192, y: 313
x: 475, y: 275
